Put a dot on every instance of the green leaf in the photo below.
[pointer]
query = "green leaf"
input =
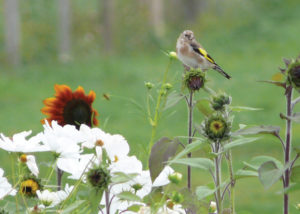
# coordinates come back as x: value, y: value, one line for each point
x: 134, y: 208
x: 204, y: 107
x: 280, y: 84
x: 239, y: 142
x: 120, y: 177
x: 269, y: 174
x: 257, y: 161
x: 244, y: 108
x: 189, y: 148
x: 73, y: 206
x: 172, y: 100
x: 292, y: 188
x: 128, y: 196
x: 295, y: 176
x: 297, y: 149
x: 274, y: 130
x: 245, y: 174
x: 162, y: 150
x: 295, y: 117
x: 200, y: 163
x: 204, y: 191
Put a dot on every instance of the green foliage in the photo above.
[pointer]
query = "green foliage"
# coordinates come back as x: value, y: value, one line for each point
x: 160, y: 153
x: 200, y: 163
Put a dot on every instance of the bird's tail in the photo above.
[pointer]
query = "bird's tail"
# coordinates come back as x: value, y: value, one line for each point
x: 220, y: 70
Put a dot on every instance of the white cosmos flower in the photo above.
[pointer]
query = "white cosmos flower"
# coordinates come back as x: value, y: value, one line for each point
x: 19, y: 143
x: 5, y: 186
x: 31, y: 163
x: 177, y: 209
x: 62, y: 140
x: 51, y: 199
x: 75, y: 166
x: 133, y: 165
x: 115, y: 145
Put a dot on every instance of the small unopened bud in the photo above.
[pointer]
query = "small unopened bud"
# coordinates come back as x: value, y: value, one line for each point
x: 294, y: 74
x: 149, y: 85
x: 212, y: 207
x: 23, y: 158
x: 218, y: 102
x: 177, y: 198
x: 173, y: 55
x: 170, y: 204
x: 175, y: 177
x: 137, y: 187
x: 168, y: 86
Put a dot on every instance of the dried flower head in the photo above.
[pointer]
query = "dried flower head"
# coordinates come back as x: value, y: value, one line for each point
x: 194, y: 79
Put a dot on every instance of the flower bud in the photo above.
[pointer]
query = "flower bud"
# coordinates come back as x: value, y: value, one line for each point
x: 149, y: 85
x: 23, y: 158
x: 175, y: 177
x: 294, y: 74
x: 212, y: 207
x: 216, y: 128
x: 194, y: 80
x: 298, y: 206
x: 137, y: 187
x: 177, y: 198
x: 99, y: 177
x: 173, y: 55
x: 168, y: 86
x: 218, y: 102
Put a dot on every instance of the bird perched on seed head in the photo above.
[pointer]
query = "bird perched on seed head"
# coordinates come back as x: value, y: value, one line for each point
x: 193, y: 55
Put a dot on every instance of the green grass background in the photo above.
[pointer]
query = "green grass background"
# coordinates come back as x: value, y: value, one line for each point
x: 248, y: 39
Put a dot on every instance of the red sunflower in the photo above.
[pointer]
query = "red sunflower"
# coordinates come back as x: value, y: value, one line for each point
x: 68, y: 107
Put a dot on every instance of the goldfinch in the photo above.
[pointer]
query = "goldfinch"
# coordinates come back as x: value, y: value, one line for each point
x: 193, y: 55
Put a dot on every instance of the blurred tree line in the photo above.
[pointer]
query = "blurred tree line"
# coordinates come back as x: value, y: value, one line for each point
x: 35, y: 30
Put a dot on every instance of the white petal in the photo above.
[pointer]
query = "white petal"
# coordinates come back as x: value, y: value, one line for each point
x: 32, y: 166
x: 162, y: 178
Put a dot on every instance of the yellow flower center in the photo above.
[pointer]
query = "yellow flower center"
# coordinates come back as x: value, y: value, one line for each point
x: 29, y: 187
x: 23, y: 158
x: 99, y: 143
x: 116, y: 158
x: 216, y: 126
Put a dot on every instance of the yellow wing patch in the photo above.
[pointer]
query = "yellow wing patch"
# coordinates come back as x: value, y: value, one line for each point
x: 204, y: 53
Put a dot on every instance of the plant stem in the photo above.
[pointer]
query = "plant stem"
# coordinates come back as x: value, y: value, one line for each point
x: 107, y: 202
x: 218, y: 178
x: 232, y: 183
x: 59, y: 177
x: 288, y: 137
x: 154, y: 122
x: 190, y: 139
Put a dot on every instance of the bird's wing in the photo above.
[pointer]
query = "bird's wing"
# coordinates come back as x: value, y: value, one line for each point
x: 199, y: 50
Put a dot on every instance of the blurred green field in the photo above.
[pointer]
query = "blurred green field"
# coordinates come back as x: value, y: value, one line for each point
x: 247, y: 39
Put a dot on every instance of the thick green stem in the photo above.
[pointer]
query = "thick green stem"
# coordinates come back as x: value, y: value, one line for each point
x: 154, y: 122
x: 232, y: 183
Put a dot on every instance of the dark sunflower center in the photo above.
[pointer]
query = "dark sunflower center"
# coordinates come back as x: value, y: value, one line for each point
x: 27, y: 189
x: 96, y: 178
x: 77, y: 112
x: 217, y: 126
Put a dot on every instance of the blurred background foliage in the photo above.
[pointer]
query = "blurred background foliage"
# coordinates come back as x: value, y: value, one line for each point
x: 115, y: 50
